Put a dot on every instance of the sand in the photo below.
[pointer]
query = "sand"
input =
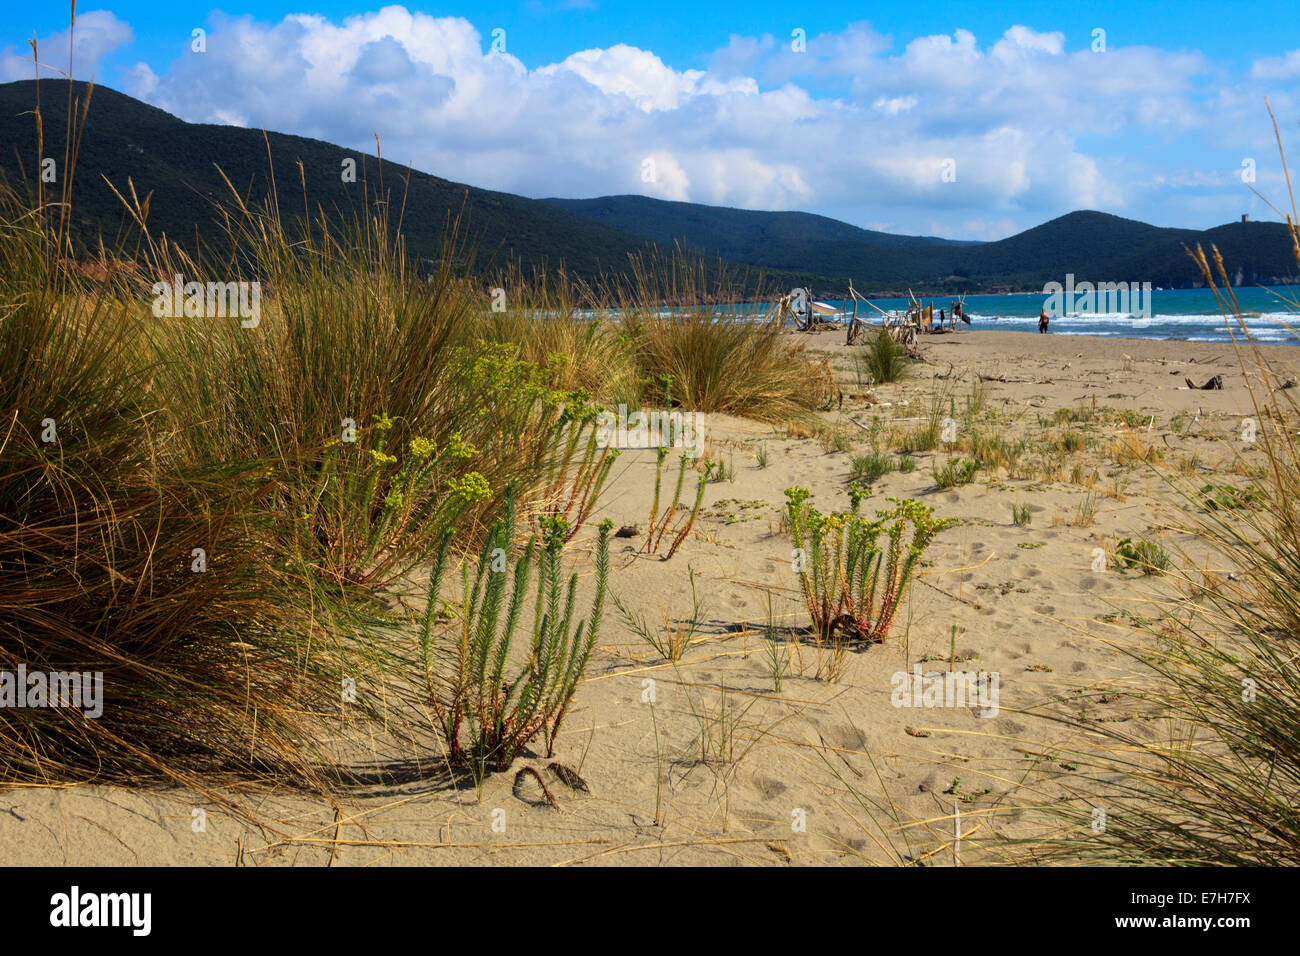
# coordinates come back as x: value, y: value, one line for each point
x: 821, y: 772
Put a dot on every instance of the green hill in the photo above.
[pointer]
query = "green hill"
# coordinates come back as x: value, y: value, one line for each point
x: 1092, y: 245
x: 176, y: 163
x: 738, y: 234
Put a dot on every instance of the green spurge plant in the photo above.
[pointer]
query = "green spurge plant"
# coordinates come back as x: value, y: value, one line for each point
x: 572, y: 484
x: 665, y: 520
x: 365, y: 501
x: 855, y: 571
x: 485, y: 715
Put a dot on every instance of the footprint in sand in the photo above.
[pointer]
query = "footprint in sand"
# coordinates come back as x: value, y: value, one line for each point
x: 842, y: 736
x: 1044, y: 609
x: 1098, y: 582
x: 1078, y: 666
x: 768, y: 788
x: 1025, y: 573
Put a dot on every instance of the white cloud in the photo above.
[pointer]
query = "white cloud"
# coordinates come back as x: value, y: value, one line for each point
x: 894, y: 105
x: 98, y: 33
x: 1277, y: 68
x: 644, y: 78
x: 856, y: 127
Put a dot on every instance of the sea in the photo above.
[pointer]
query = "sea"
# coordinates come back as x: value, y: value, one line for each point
x: 1193, y: 315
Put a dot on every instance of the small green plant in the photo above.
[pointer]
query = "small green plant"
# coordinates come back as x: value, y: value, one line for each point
x: 1072, y: 441
x: 834, y: 438
x: 954, y: 473
x: 661, y: 523
x: 922, y: 438
x: 485, y: 716
x: 761, y: 454
x: 869, y: 467
x: 1020, y: 514
x: 572, y: 485
x: 883, y: 359
x: 1080, y: 413
x: 1230, y: 497
x: 1130, y: 418
x: 855, y: 571
x: 1146, y: 556
x: 994, y: 451
x: 775, y: 655
x: 906, y: 464
x: 1085, y: 513
x: 966, y: 796
x: 720, y: 739
x: 674, y: 638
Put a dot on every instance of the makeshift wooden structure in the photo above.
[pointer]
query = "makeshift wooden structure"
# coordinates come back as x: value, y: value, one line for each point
x: 903, y: 327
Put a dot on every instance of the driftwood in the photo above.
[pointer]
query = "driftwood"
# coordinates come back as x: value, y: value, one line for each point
x: 903, y: 327
x: 809, y: 322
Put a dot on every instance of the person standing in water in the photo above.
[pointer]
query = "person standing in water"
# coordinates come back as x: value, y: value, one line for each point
x: 1043, y: 319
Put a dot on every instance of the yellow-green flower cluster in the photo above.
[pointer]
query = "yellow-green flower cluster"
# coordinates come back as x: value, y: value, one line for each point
x: 460, y: 450
x: 471, y: 487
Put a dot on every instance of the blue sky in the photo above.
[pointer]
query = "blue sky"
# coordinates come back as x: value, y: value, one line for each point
x: 966, y: 120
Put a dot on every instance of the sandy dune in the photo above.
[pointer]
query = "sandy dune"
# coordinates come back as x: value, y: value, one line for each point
x: 821, y: 772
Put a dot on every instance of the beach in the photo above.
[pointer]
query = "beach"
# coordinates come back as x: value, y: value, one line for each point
x: 702, y: 760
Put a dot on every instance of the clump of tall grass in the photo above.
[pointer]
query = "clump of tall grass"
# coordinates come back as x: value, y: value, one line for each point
x: 190, y: 504
x: 994, y: 451
x: 925, y: 437
x: 883, y: 359
x: 368, y: 390
x: 955, y: 473
x: 121, y: 559
x: 870, y: 467
x: 776, y: 658
x: 564, y: 326
x: 1130, y: 450
x: 1072, y: 441
x: 691, y: 327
